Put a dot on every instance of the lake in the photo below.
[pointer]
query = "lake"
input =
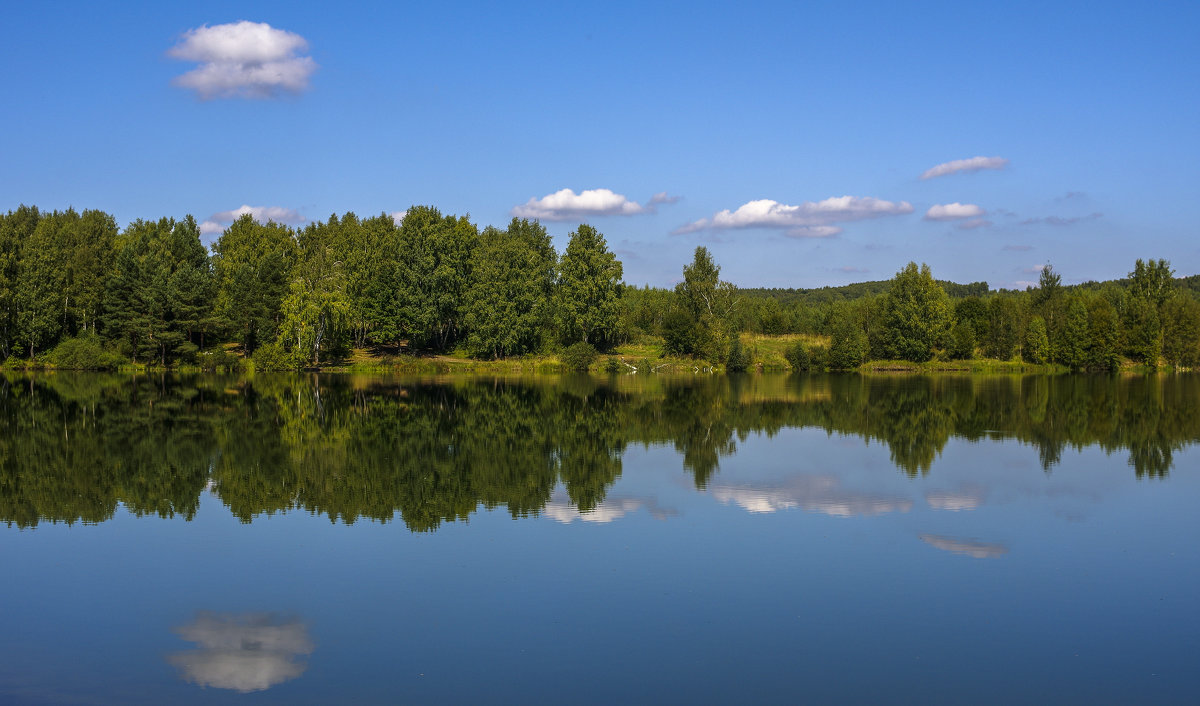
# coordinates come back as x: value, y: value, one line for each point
x: 308, y: 539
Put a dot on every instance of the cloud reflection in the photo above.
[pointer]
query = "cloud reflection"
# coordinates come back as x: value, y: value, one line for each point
x: 979, y: 550
x: 560, y: 509
x: 821, y: 494
x: 246, y: 652
x: 954, y: 501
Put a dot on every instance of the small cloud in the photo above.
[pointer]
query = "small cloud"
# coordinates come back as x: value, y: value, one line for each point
x: 814, y: 232
x: 1072, y: 196
x: 1035, y: 270
x: 852, y: 270
x: 565, y: 205
x: 954, y: 501
x: 953, y: 211
x: 809, y: 219
x: 244, y: 653
x: 1018, y: 248
x: 973, y: 164
x: 210, y: 227
x: 1024, y: 284
x: 398, y: 216
x: 978, y: 550
x: 1060, y: 221
x: 243, y: 60
x: 822, y: 494
x: 974, y: 223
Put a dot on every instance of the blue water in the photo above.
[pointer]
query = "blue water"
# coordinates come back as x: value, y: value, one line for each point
x: 808, y: 567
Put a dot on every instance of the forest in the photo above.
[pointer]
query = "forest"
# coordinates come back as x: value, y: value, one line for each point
x: 77, y: 291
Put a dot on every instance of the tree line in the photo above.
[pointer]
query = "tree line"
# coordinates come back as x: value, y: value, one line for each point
x: 74, y: 447
x: 76, y: 288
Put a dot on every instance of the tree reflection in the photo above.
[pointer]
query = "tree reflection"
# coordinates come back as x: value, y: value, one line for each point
x: 74, y: 447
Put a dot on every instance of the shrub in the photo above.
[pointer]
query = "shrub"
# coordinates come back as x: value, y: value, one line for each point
x: 613, y: 366
x: 218, y: 359
x: 739, y: 359
x: 273, y: 357
x: 578, y: 357
x: 798, y: 357
x: 84, y: 353
x: 961, y: 345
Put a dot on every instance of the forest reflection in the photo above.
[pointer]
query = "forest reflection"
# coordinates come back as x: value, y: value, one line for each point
x: 74, y: 446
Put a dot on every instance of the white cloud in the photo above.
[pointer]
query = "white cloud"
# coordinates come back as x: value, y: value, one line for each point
x: 808, y: 220
x: 973, y: 164
x: 210, y: 227
x: 565, y: 204
x: 978, y: 550
x: 953, y: 211
x: 243, y: 60
x: 279, y: 214
x: 245, y: 653
x: 398, y: 216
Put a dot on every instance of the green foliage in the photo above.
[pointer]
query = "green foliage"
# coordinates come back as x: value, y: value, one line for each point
x: 798, y: 357
x: 1103, y: 335
x: 1181, y: 332
x: 1073, y: 348
x: 917, y: 315
x: 578, y: 357
x: 680, y: 332
x: 1143, y: 331
x: 850, y: 346
x: 1003, y: 326
x: 738, y: 360
x: 612, y: 366
x: 272, y: 357
x: 86, y: 352
x: 1036, y: 348
x: 711, y: 302
x: 509, y: 303
x: 1152, y: 281
x: 253, y: 264
x: 961, y: 343
x: 589, y: 289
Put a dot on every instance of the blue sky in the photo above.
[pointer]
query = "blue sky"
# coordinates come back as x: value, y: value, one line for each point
x: 1087, y: 115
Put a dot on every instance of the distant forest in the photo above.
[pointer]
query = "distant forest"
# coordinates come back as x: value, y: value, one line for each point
x: 76, y: 291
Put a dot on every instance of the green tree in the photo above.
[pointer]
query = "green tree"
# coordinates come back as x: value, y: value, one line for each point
x: 849, y: 346
x: 1181, y: 332
x: 16, y: 227
x: 917, y: 315
x: 1152, y: 280
x: 710, y: 301
x: 509, y: 302
x: 316, y: 309
x: 589, y: 289
x: 434, y: 275
x: 961, y: 343
x: 1036, y: 348
x: 1073, y: 349
x: 253, y: 264
x: 1103, y: 335
x: 1003, y: 327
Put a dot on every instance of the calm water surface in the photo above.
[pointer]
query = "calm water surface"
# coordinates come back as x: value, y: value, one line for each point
x: 343, y: 539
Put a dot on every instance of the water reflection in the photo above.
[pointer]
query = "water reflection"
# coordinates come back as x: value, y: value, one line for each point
x: 822, y: 494
x: 246, y: 652
x: 74, y: 446
x: 969, y: 547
